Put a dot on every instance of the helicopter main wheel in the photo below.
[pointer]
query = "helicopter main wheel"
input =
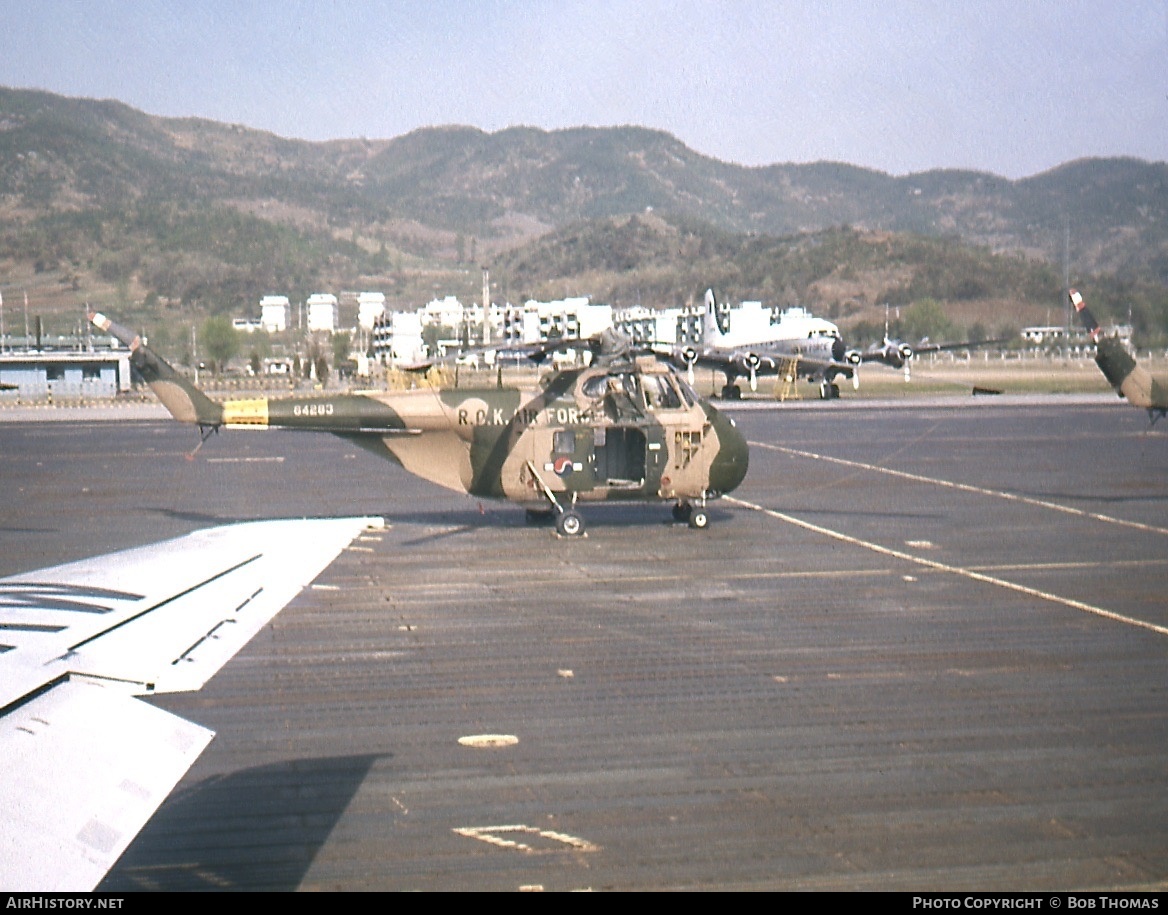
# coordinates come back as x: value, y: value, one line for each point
x: 569, y: 524
x: 682, y: 511
x: 699, y: 519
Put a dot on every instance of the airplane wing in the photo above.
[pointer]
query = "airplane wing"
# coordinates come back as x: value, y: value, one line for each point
x: 747, y: 363
x: 86, y: 763
x: 894, y: 353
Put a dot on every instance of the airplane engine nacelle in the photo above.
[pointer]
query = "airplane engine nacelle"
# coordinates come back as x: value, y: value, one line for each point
x: 753, y: 361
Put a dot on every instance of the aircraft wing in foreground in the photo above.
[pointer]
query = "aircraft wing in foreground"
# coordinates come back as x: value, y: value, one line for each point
x: 86, y: 762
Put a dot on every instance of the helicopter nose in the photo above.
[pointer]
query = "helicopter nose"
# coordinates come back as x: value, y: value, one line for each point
x: 728, y: 468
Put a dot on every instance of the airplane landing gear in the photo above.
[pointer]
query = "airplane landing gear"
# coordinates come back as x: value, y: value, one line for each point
x: 731, y: 392
x: 828, y: 390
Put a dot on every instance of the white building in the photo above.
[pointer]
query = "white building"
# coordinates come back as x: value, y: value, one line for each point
x: 573, y: 317
x: 448, y: 311
x: 274, y: 313
x: 397, y: 338
x: 322, y: 312
x: 370, y: 307
x: 516, y: 325
x: 648, y: 325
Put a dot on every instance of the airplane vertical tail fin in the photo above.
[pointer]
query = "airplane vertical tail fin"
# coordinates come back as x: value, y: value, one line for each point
x: 712, y: 330
x: 185, y: 402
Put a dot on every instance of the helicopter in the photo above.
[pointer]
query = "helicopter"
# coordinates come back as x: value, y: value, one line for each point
x: 628, y: 427
x: 1119, y: 367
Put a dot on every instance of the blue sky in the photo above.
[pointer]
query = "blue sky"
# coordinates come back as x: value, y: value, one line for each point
x: 1012, y: 88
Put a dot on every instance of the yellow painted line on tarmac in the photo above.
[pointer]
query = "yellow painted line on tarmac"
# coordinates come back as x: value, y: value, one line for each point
x: 498, y: 836
x: 951, y: 569
x: 965, y: 487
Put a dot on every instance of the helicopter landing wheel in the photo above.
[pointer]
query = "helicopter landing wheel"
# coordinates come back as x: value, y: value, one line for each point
x: 699, y: 519
x: 682, y: 511
x: 570, y: 524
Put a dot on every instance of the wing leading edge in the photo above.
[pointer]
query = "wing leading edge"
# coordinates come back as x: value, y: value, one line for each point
x: 86, y: 762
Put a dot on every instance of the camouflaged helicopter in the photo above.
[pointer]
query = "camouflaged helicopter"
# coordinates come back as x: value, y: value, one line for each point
x: 1119, y: 367
x: 626, y: 428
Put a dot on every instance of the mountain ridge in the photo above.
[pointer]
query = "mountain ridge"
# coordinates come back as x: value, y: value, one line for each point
x: 101, y: 199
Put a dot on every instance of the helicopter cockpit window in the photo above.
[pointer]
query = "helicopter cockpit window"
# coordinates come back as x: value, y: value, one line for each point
x: 660, y: 394
x: 596, y: 386
x: 619, y: 391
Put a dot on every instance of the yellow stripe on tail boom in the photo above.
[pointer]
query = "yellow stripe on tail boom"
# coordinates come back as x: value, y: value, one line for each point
x: 246, y: 414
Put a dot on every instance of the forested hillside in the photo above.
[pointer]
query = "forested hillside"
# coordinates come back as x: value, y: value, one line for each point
x: 174, y: 219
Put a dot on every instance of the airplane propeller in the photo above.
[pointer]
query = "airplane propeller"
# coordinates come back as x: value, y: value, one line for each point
x: 752, y: 363
x: 689, y: 356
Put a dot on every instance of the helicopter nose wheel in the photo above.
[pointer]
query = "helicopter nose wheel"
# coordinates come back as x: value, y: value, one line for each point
x: 569, y: 524
x: 695, y: 515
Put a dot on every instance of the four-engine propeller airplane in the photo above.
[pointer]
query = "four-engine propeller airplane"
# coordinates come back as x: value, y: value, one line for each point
x: 628, y: 427
x: 820, y: 358
x: 1120, y: 368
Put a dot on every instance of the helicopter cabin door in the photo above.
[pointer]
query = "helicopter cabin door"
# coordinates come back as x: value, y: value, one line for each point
x: 620, y: 445
x: 620, y: 457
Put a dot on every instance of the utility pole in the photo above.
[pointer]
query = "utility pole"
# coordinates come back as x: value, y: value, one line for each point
x: 486, y: 306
